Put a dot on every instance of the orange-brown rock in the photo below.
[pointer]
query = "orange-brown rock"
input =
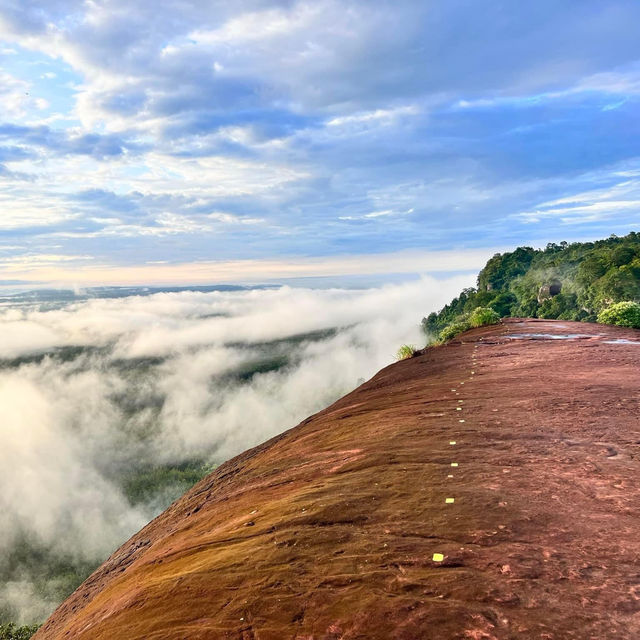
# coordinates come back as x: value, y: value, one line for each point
x: 329, y: 530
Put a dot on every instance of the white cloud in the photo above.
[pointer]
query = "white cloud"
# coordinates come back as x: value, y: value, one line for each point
x: 269, y: 24
x: 624, y: 81
x: 24, y: 208
x: 378, y: 117
x: 14, y: 94
x: 580, y: 214
x: 51, y: 486
x: 621, y: 197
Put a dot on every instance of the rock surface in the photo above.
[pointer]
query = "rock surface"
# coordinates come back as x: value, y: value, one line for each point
x: 330, y: 530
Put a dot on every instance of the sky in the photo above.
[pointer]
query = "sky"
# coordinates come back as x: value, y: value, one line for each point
x: 207, y: 141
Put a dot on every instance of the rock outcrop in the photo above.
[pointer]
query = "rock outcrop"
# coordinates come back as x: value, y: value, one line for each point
x: 488, y: 488
x: 549, y: 290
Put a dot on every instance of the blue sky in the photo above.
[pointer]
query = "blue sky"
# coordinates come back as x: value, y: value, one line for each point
x: 201, y: 141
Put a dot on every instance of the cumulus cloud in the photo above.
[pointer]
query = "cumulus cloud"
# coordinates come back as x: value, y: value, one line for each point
x: 309, y: 116
x: 93, y: 390
x: 314, y: 53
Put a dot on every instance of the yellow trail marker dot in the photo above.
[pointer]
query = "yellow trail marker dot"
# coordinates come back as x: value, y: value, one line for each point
x: 460, y: 400
x: 454, y: 464
x: 460, y: 420
x: 449, y: 500
x: 452, y: 389
x: 438, y: 557
x: 473, y: 373
x: 452, y: 442
x: 450, y: 475
x: 462, y: 383
x: 458, y: 408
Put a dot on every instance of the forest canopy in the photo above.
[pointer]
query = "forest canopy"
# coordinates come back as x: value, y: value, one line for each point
x: 568, y: 281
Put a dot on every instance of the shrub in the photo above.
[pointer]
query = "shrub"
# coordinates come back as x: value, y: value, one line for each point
x: 453, y: 329
x: 482, y: 316
x: 623, y: 314
x: 406, y: 351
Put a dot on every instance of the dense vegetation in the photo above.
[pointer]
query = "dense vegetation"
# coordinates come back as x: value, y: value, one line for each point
x: 624, y: 314
x: 576, y: 281
x: 12, y: 632
x: 479, y: 317
x: 164, y: 483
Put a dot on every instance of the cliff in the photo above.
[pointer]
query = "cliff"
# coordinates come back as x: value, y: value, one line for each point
x: 488, y: 488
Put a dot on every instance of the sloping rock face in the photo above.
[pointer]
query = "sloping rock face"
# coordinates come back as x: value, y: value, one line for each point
x: 489, y: 488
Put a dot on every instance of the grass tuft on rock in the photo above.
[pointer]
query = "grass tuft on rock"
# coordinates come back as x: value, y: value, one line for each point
x: 406, y: 351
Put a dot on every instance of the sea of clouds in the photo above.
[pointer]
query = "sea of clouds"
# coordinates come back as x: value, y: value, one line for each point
x: 150, y: 380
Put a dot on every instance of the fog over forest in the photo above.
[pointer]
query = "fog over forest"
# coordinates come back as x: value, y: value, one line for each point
x: 113, y: 407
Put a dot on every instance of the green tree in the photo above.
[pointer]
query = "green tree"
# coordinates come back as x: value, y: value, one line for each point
x: 622, y: 255
x: 617, y: 285
x: 503, y: 303
x: 593, y: 275
x: 562, y: 306
x: 590, y: 269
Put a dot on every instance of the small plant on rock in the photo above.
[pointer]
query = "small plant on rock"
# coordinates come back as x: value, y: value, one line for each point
x: 406, y: 351
x: 453, y: 329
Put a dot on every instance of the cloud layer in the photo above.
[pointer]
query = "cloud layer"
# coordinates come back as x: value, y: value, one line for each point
x: 216, y: 130
x: 92, y: 391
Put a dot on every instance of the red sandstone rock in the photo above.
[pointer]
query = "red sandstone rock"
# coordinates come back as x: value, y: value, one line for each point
x: 329, y: 530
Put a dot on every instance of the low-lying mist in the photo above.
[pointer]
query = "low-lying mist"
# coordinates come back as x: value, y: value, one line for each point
x: 110, y: 408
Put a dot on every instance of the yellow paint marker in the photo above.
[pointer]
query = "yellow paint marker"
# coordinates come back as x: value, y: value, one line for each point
x: 449, y: 500
x: 458, y: 408
x: 450, y: 475
x: 438, y: 557
x: 454, y: 464
x: 452, y: 441
x: 460, y: 420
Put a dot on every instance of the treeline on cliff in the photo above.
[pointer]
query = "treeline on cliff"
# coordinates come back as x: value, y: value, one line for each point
x: 567, y: 281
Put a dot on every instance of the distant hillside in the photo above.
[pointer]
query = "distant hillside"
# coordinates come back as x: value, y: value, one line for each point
x: 565, y: 281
